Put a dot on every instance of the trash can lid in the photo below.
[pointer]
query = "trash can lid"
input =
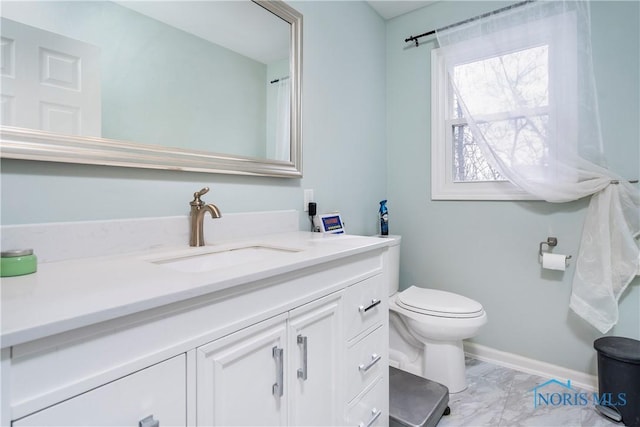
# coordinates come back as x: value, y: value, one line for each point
x: 619, y: 348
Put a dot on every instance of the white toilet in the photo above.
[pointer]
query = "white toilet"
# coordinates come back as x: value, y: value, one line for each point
x: 427, y: 327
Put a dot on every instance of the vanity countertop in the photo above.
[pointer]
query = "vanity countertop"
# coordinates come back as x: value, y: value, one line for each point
x: 70, y: 294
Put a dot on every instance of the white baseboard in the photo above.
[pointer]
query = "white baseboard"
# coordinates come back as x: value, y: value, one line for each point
x: 530, y: 366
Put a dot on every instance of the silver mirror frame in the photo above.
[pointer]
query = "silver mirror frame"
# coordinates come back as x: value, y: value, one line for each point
x: 27, y: 144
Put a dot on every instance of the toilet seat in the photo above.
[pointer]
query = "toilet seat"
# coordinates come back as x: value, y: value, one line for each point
x: 433, y: 302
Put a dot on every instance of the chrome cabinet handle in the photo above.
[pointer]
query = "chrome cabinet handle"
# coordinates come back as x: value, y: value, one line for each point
x: 374, y: 302
x: 148, y: 422
x: 302, y: 372
x: 278, y: 387
x: 374, y: 417
x: 374, y: 359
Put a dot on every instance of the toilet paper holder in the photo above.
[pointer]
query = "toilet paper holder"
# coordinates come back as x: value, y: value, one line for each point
x: 551, y: 242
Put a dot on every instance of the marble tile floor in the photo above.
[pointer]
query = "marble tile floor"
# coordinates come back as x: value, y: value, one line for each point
x: 498, y: 396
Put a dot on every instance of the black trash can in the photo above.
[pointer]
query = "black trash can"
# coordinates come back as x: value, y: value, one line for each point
x: 619, y: 377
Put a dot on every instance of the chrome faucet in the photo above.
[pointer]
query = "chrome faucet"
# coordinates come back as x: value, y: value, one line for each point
x: 198, y: 210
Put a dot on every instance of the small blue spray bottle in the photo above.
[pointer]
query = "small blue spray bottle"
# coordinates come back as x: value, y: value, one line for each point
x: 384, y: 218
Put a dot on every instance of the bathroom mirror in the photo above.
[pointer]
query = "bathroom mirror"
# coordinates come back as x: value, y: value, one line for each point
x: 205, y: 85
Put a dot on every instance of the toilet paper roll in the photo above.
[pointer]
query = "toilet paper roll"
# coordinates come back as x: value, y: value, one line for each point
x: 554, y: 261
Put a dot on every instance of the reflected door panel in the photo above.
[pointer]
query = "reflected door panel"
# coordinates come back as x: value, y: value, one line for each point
x: 49, y: 82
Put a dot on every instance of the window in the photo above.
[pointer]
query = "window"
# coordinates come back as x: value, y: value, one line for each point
x: 509, y: 89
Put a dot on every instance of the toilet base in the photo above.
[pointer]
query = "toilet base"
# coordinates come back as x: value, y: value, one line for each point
x: 436, y: 360
x: 443, y: 362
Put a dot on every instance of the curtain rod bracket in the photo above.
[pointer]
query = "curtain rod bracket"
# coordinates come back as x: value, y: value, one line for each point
x: 413, y: 39
x: 617, y: 181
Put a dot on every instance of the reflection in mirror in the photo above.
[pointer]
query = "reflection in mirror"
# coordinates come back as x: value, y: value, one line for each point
x: 212, y: 80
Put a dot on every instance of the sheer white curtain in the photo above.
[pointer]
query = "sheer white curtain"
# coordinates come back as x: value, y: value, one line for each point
x: 283, y: 121
x: 524, y: 82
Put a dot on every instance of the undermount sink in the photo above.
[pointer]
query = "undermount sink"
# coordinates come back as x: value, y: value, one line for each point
x: 208, y: 261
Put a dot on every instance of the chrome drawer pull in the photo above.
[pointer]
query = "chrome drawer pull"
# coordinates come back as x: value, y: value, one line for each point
x: 302, y: 372
x: 374, y: 359
x: 374, y: 302
x: 278, y: 387
x: 148, y: 422
x: 374, y: 417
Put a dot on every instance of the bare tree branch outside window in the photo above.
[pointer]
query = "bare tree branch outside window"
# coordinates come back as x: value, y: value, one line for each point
x: 510, y: 94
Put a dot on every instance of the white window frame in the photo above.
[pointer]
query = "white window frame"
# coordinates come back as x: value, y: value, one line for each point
x: 443, y: 187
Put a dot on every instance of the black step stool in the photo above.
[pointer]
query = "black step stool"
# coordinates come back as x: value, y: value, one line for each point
x: 415, y: 401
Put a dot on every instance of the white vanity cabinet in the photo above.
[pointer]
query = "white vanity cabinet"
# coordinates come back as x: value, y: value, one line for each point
x: 284, y: 370
x: 301, y: 344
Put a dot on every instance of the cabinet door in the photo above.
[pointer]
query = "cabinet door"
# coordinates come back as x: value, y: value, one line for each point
x: 315, y: 336
x: 158, y: 391
x: 241, y: 377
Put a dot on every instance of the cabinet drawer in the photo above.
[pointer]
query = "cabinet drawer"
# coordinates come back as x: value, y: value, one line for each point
x: 159, y: 390
x: 366, y: 360
x: 365, y: 305
x: 371, y: 408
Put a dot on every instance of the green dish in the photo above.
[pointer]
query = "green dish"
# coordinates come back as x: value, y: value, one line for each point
x: 18, y: 263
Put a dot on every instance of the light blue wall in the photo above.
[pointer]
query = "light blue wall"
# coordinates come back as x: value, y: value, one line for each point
x: 488, y: 250
x: 343, y: 134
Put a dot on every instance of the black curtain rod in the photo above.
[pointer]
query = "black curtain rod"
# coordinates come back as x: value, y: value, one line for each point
x: 277, y: 80
x: 466, y: 21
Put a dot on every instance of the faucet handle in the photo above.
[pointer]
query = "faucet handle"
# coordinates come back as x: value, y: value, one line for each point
x: 196, y: 197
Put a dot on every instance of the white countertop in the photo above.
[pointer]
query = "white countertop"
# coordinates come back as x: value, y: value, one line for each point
x: 66, y: 295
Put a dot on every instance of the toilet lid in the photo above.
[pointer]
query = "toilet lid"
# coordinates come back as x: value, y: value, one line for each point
x: 438, y: 303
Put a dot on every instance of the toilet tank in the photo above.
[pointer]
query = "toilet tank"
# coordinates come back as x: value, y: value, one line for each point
x: 393, y: 260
